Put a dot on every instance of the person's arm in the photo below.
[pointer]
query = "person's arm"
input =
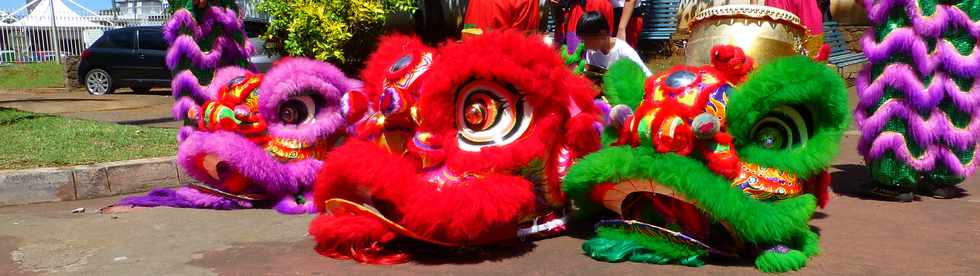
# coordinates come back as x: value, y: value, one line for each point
x: 624, y: 20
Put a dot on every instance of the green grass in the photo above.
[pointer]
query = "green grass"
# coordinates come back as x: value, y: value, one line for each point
x: 32, y: 140
x: 27, y: 76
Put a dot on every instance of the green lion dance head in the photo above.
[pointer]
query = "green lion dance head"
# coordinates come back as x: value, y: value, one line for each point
x: 698, y: 166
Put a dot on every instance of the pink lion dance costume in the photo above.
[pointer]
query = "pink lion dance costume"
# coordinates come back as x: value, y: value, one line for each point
x: 250, y: 139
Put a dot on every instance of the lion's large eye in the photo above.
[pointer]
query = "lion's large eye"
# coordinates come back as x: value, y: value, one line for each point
x: 402, y: 62
x: 488, y: 114
x: 782, y: 128
x: 297, y: 110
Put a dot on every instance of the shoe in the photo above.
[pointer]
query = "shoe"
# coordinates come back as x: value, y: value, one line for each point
x: 945, y: 192
x: 893, y: 193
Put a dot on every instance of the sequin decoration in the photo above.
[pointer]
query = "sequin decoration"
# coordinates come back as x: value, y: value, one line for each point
x: 767, y: 183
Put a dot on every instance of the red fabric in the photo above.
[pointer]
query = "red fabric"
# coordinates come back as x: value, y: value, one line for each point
x: 482, y: 199
x: 356, y: 237
x: 633, y: 30
x: 503, y: 14
x: 824, y: 53
x: 731, y: 62
x: 807, y: 10
x: 724, y: 163
x: 390, y: 49
x: 819, y: 186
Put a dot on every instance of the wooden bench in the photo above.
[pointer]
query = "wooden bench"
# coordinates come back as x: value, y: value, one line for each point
x: 659, y: 23
x: 840, y: 54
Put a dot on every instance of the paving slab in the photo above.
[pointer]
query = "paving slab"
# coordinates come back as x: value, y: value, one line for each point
x: 133, y: 177
x: 859, y: 236
x: 87, y: 181
x: 91, y: 182
x: 36, y: 185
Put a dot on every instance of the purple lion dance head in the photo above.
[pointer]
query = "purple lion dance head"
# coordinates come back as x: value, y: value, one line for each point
x: 250, y: 140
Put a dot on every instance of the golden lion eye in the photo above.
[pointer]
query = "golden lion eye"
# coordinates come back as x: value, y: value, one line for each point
x: 481, y: 112
x: 490, y: 114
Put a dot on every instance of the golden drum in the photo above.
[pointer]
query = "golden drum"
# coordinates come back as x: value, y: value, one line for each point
x: 764, y: 33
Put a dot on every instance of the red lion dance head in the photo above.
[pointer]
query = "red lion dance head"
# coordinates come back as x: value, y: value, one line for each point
x: 495, y: 122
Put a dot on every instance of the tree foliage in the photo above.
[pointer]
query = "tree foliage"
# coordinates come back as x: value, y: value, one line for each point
x: 339, y: 31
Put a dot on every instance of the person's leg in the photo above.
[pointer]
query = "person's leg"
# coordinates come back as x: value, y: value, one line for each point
x: 617, y: 15
x: 633, y: 31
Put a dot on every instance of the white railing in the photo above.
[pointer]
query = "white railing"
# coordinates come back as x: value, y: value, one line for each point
x: 31, y: 39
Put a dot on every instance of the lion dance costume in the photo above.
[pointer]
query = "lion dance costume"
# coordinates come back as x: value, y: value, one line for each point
x: 918, y: 96
x: 251, y: 139
x: 494, y: 125
x: 711, y: 165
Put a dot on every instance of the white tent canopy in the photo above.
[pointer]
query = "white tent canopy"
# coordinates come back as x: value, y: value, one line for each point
x: 64, y: 16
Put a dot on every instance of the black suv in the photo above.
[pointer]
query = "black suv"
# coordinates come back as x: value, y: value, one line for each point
x: 132, y: 56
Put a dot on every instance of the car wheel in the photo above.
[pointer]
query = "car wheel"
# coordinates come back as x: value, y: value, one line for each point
x: 140, y: 89
x: 98, y: 82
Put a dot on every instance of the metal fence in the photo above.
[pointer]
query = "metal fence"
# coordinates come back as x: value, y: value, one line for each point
x: 31, y: 37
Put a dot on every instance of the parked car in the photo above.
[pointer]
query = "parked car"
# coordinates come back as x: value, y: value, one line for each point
x: 254, y: 28
x: 132, y: 56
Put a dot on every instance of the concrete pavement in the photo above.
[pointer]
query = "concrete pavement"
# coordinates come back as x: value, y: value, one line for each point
x: 124, y: 107
x: 859, y: 237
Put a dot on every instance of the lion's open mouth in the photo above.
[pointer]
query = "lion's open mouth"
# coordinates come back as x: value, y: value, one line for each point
x: 655, y: 209
x: 226, y: 180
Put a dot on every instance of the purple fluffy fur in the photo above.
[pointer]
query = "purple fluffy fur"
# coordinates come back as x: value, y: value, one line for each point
x: 184, y: 197
x: 604, y: 109
x: 322, y: 79
x: 945, y: 18
x: 937, y: 134
x: 181, y: 22
x: 183, y: 133
x: 937, y: 129
x: 181, y: 106
x: 902, y: 78
x: 289, y: 206
x: 225, y: 18
x: 182, y: 32
x: 186, y: 47
x: 186, y: 84
x: 895, y: 142
x: 222, y: 78
x: 278, y: 179
x: 906, y: 41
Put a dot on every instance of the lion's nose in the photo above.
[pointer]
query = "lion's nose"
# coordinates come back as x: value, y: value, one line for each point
x: 428, y: 148
x: 217, y: 116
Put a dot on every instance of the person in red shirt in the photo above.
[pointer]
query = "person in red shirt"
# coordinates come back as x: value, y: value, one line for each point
x: 628, y: 21
x: 503, y: 14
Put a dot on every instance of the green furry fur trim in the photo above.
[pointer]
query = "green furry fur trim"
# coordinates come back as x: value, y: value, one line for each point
x: 575, y: 58
x: 774, y: 262
x: 792, y: 81
x: 616, y: 245
x: 752, y: 220
x: 809, y: 244
x: 623, y: 83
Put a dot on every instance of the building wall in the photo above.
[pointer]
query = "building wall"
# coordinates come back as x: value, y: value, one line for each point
x: 141, y: 8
